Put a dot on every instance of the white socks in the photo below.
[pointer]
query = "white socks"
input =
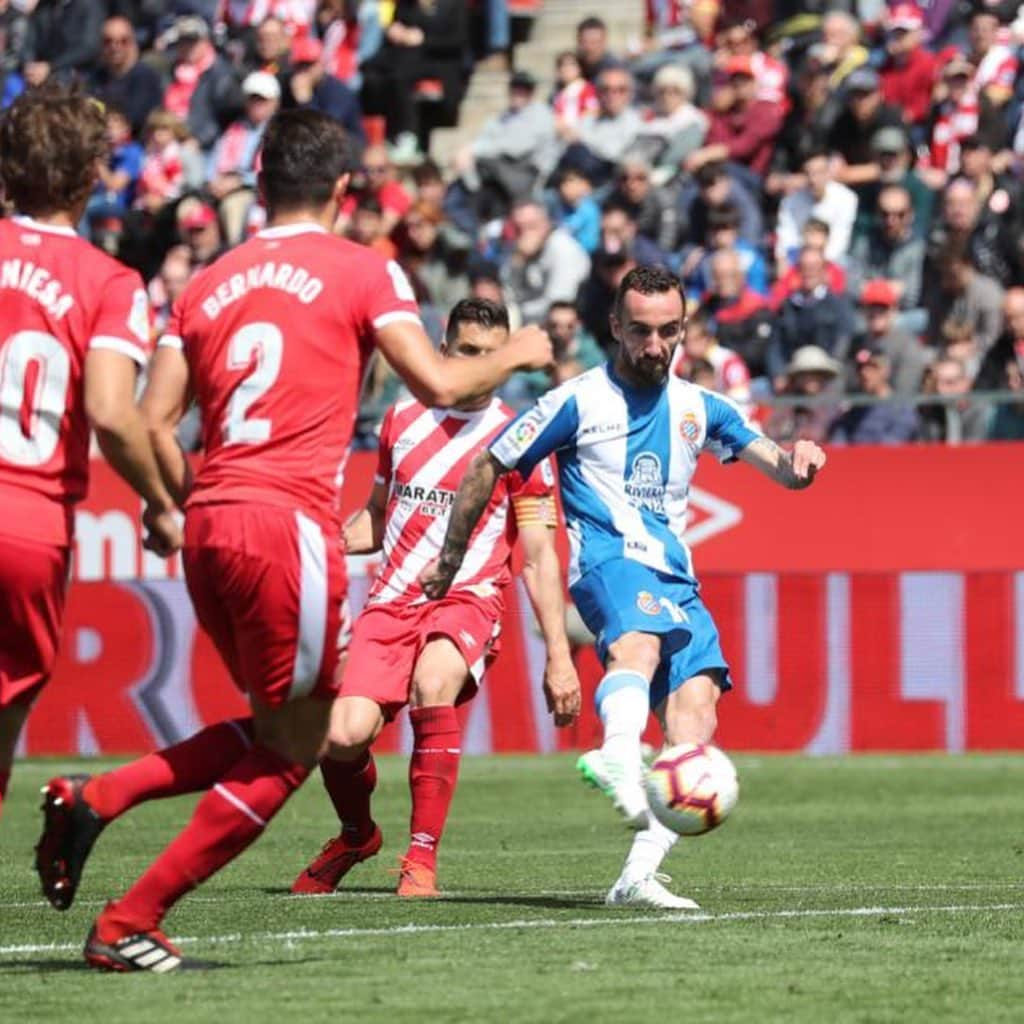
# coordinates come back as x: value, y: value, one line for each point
x: 649, y: 849
x: 623, y: 704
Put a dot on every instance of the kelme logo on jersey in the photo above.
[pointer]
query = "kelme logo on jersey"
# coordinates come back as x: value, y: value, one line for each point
x: 648, y: 603
x: 689, y: 427
x: 644, y: 487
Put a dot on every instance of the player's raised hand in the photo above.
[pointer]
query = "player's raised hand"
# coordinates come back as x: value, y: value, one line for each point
x: 436, y: 578
x: 163, y: 532
x: 562, y: 690
x: 532, y: 348
x: 808, y: 458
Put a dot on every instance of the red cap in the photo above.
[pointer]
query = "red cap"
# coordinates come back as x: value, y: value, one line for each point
x: 306, y: 50
x: 195, y: 215
x: 739, y: 66
x: 906, y: 16
x: 878, y: 293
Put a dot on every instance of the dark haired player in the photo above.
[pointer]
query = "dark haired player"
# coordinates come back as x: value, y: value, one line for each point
x: 74, y: 330
x: 432, y: 654
x: 627, y: 436
x: 272, y: 341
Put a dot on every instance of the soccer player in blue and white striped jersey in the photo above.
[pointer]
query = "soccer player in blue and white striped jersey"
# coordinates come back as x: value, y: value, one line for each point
x: 626, y: 436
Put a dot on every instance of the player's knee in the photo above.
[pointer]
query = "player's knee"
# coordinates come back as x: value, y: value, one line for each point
x: 636, y: 652
x: 349, y: 738
x: 431, y: 691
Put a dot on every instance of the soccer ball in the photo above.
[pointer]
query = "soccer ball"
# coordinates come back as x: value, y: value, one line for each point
x: 692, y: 788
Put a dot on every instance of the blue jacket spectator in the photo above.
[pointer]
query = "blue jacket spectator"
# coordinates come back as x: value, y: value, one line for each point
x: 885, y: 423
x: 311, y: 86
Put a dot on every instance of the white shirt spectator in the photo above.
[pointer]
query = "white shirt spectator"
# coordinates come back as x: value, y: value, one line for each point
x: 837, y: 208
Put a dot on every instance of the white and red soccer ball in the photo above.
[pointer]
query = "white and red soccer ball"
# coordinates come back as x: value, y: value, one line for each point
x: 692, y: 788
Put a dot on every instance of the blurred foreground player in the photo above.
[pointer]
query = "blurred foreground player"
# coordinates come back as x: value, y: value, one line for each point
x: 627, y: 437
x: 272, y: 340
x: 431, y: 655
x: 74, y: 330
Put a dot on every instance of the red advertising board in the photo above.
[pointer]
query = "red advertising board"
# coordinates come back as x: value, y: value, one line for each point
x: 881, y: 610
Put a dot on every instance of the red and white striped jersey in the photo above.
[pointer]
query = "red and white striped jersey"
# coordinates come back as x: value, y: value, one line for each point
x: 575, y: 101
x: 997, y: 68
x: 424, y: 454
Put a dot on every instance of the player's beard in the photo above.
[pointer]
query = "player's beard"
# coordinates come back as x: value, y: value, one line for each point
x: 647, y: 369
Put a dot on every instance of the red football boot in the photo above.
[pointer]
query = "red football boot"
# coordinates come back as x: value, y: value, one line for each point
x: 337, y: 858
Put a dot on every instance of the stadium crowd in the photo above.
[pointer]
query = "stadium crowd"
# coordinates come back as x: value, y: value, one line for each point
x: 839, y: 189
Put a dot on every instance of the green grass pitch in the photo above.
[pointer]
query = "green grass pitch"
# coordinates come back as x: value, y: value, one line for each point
x: 865, y: 889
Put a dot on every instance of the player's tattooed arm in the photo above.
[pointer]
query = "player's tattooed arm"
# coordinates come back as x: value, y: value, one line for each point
x: 794, y: 469
x: 473, y: 495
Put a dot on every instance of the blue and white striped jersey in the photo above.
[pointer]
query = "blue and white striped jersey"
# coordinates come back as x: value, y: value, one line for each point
x: 625, y: 456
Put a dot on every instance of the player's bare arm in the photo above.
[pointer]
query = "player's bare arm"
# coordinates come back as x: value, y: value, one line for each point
x: 794, y: 469
x: 364, y: 532
x: 542, y: 575
x: 163, y: 404
x: 473, y: 495
x: 441, y: 382
x: 120, y: 431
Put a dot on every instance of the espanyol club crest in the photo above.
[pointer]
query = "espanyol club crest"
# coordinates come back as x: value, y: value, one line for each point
x: 648, y: 603
x: 689, y: 428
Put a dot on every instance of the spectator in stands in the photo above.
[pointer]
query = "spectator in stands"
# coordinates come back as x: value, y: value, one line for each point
x: 952, y: 422
x: 840, y: 49
x: 436, y: 267
x: 170, y: 162
x: 545, y: 265
x: 908, y: 72
x: 996, y: 241
x: 598, y: 143
x: 822, y: 198
x: 63, y: 39
x: 485, y: 283
x: 730, y: 375
x: 995, y: 63
x: 1008, y: 347
x: 309, y: 85
x: 812, y: 315
x: 592, y: 48
x: 571, y: 205
x: 513, y: 152
x: 811, y: 374
x: 737, y: 37
x: 815, y: 235
x: 423, y: 41
x: 959, y: 342
x: 13, y: 33
x: 367, y: 228
x: 620, y: 233
x: 723, y: 233
x: 575, y: 351
x: 741, y: 318
x: 672, y: 38
x: 963, y: 294
x: 1007, y: 423
x: 122, y: 79
x: 597, y: 298
x: 673, y: 127
x: 199, y: 230
x: 574, y: 96
x: 654, y: 209
x: 887, y: 422
x: 891, y: 149
x: 175, y: 272
x: 714, y: 187
x: 893, y: 252
x: 851, y: 135
x: 115, y: 190
x: 377, y: 178
x: 271, y: 50
x: 203, y: 90
x: 231, y: 169
x: 351, y: 34
x: 908, y: 358
x: 743, y: 128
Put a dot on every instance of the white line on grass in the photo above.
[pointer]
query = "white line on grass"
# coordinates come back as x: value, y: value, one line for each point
x: 543, y: 922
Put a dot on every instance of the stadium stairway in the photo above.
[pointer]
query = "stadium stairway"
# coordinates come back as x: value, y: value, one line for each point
x: 554, y: 30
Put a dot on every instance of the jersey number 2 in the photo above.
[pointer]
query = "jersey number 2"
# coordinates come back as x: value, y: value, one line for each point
x: 264, y: 342
x: 30, y: 422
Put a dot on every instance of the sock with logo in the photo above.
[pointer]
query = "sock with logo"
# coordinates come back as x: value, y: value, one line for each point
x: 187, y: 767
x: 650, y: 847
x: 350, y: 785
x: 228, y: 819
x: 433, y: 771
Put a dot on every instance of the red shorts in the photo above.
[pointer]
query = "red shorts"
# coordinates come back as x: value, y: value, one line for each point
x: 33, y: 583
x: 387, y: 640
x: 269, y: 586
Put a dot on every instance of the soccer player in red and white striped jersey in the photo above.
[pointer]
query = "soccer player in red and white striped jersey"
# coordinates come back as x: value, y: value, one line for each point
x: 431, y: 655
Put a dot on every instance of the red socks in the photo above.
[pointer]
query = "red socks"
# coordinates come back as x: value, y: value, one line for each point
x: 187, y: 767
x: 5, y: 777
x: 350, y: 784
x: 226, y: 821
x: 433, y: 770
